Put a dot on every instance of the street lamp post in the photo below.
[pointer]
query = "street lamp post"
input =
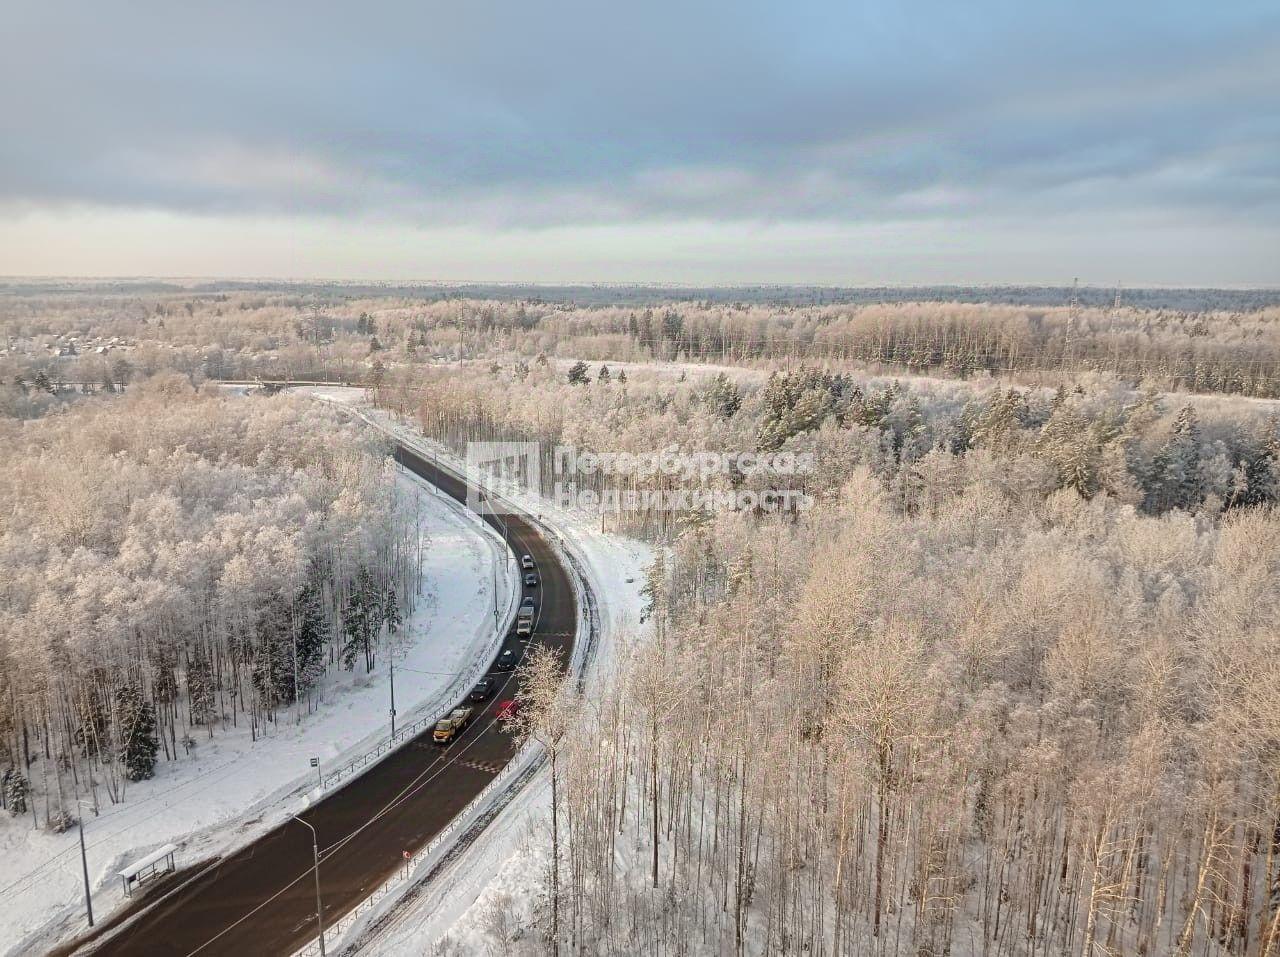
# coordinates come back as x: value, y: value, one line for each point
x: 84, y: 864
x: 487, y: 498
x: 315, y: 856
x: 391, y: 657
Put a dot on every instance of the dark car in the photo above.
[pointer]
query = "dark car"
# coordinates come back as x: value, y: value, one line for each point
x: 531, y: 580
x: 483, y: 690
x: 506, y: 661
x: 528, y: 602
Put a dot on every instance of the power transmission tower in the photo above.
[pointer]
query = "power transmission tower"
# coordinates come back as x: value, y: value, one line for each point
x: 1073, y: 309
x: 1111, y: 332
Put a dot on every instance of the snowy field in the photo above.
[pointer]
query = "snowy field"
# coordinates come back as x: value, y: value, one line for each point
x: 231, y: 788
x: 868, y: 379
x: 503, y: 863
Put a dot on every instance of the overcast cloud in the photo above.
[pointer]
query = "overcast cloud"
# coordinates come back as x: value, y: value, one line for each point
x: 778, y: 136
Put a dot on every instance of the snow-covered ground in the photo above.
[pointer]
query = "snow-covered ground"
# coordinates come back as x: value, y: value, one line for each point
x: 459, y: 901
x: 879, y: 379
x: 232, y: 788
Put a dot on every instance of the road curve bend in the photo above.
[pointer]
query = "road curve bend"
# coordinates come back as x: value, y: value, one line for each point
x: 260, y: 899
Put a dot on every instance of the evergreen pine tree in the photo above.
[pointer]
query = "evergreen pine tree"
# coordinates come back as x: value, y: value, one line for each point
x: 312, y: 633
x: 273, y: 653
x: 391, y: 612
x: 654, y: 592
x: 1071, y: 445
x: 361, y: 619
x: 200, y: 687
x: 1000, y: 425
x: 136, y: 733
x: 16, y: 789
x: 1175, y: 469
x: 1187, y: 488
x: 578, y: 373
x: 723, y: 397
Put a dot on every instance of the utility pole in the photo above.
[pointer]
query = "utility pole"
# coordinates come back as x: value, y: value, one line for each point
x: 315, y: 857
x: 84, y: 866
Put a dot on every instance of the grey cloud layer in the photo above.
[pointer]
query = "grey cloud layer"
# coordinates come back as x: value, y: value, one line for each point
x: 579, y: 113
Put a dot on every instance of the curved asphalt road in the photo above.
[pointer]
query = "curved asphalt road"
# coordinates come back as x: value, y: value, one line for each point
x: 398, y: 804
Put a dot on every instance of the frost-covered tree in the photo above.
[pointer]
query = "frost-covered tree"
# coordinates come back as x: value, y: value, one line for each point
x: 548, y: 706
x: 171, y: 560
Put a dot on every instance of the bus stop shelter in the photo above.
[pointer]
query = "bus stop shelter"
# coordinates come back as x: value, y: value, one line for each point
x: 159, y: 861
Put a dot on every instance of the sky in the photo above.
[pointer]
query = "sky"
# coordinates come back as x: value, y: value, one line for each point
x: 813, y: 141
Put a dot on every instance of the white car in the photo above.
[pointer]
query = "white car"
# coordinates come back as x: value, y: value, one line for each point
x: 527, y: 563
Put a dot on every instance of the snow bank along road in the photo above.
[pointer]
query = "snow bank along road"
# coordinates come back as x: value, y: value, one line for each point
x: 261, y: 899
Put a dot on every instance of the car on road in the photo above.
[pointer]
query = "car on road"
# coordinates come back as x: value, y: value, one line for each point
x: 448, y: 728
x: 483, y: 690
x: 527, y: 603
x: 531, y: 580
x: 507, y: 660
x: 507, y: 710
x: 527, y: 563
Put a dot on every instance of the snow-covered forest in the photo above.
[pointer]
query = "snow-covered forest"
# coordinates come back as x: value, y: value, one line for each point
x: 174, y: 563
x: 63, y: 340
x: 921, y: 438
x: 1008, y: 688
x: 1001, y: 723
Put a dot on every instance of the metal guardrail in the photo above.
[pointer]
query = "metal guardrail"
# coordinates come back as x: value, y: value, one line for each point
x: 464, y: 679
x: 589, y: 615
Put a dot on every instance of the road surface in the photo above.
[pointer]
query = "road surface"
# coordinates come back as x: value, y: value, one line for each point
x: 260, y: 900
